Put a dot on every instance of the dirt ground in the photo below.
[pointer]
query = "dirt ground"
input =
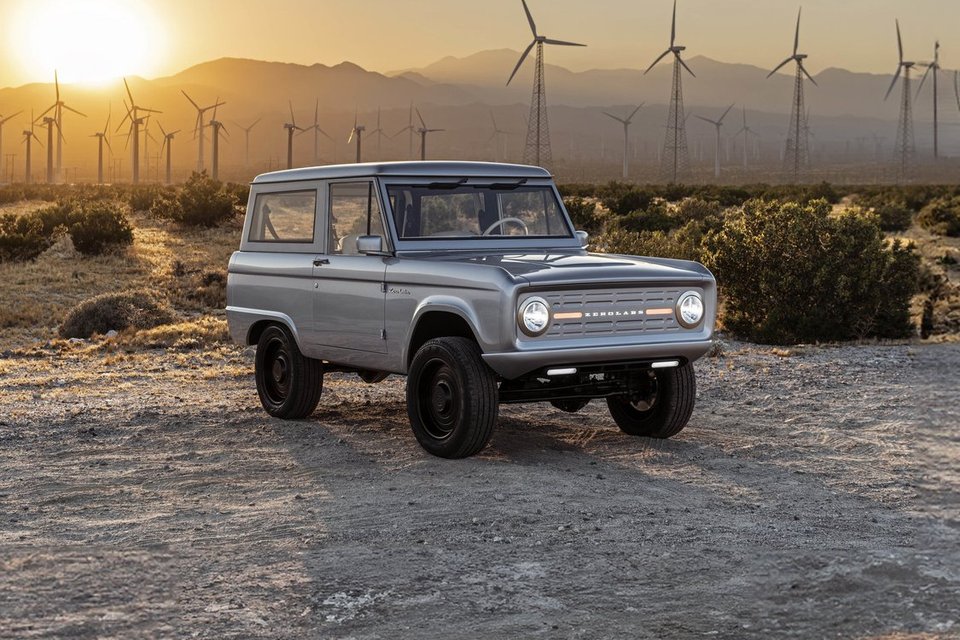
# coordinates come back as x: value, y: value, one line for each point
x: 816, y: 493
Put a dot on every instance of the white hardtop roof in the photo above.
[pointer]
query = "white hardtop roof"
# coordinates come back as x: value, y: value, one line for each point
x: 428, y: 169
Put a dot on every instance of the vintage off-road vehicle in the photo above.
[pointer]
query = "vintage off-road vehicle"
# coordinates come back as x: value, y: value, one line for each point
x: 469, y: 279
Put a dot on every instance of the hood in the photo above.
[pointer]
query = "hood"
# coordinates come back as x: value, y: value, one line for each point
x: 557, y: 268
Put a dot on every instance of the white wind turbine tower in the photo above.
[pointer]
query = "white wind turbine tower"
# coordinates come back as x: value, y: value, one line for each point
x: 291, y: 127
x: 246, y: 140
x: 626, y: 136
x: 499, y: 147
x: 935, y: 67
x: 904, y: 149
x: 423, y: 131
x: 380, y: 135
x: 537, y: 148
x: 409, y: 129
x: 102, y: 137
x: 357, y: 132
x: 747, y: 132
x: 58, y: 108
x: 796, y: 153
x: 315, y: 127
x: 199, y: 125
x: 717, y: 123
x: 167, y: 144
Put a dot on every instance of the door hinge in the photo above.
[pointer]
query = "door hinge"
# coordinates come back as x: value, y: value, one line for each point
x: 383, y: 334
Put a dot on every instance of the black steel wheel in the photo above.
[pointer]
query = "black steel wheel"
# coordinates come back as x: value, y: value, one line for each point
x: 451, y: 398
x: 289, y: 384
x: 662, y: 405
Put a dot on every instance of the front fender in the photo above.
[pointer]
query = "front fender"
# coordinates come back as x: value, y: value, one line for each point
x: 458, y: 307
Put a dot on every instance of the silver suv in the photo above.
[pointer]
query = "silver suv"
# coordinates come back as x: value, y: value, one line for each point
x: 469, y: 279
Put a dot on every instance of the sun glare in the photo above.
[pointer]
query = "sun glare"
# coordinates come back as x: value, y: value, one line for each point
x: 86, y: 41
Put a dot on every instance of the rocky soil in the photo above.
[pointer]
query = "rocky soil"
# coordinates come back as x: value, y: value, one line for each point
x: 816, y: 493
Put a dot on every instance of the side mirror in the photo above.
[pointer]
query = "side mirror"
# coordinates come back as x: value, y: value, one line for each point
x: 369, y: 244
x: 583, y: 237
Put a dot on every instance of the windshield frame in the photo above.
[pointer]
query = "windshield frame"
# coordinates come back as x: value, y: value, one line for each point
x: 474, y: 243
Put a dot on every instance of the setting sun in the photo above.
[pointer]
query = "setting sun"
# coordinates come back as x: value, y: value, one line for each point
x: 92, y: 42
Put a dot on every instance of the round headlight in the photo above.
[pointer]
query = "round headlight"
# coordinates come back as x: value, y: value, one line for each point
x: 534, y: 316
x: 690, y: 309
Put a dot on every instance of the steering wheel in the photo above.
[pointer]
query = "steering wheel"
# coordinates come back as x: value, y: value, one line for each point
x: 503, y: 221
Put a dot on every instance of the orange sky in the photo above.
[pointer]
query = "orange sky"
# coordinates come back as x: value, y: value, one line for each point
x: 91, y: 40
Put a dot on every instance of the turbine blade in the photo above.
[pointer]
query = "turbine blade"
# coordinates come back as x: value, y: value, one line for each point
x: 73, y: 110
x: 899, y: 42
x: 293, y: 120
x: 107, y: 140
x: 424, y: 124
x: 634, y: 112
x: 684, y: 65
x: 673, y: 25
x: 56, y: 83
x: 523, y: 57
x: 662, y: 56
x: 563, y: 43
x: 893, y: 83
x: 533, y: 25
x: 129, y: 95
x: 161, y: 129
x: 714, y: 123
x: 610, y: 115
x: 809, y: 77
x: 796, y: 35
x: 725, y: 114
x: 923, y: 78
x: 779, y: 66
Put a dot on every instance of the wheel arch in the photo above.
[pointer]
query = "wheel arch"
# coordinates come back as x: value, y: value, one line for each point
x: 438, y: 321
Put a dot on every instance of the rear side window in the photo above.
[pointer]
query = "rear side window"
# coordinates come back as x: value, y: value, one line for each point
x: 284, y: 217
x: 354, y: 212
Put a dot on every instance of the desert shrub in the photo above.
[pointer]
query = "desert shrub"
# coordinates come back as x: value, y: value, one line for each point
x: 22, y: 237
x: 239, y: 191
x: 697, y: 208
x: 58, y: 217
x: 894, y: 217
x: 201, y: 202
x: 793, y: 273
x: 656, y: 217
x: 583, y: 213
x: 99, y: 226
x: 133, y: 309
x: 142, y: 197
x: 941, y: 216
x: 623, y: 201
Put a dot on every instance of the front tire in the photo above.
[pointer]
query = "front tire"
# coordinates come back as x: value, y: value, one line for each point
x: 289, y: 383
x: 452, y: 398
x: 663, y: 407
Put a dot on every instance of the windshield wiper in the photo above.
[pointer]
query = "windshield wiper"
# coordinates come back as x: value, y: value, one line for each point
x: 446, y: 185
x: 505, y: 186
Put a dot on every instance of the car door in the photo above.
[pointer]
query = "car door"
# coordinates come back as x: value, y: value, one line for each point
x: 349, y: 302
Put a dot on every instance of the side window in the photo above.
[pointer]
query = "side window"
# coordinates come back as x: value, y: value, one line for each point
x: 354, y: 212
x: 284, y: 217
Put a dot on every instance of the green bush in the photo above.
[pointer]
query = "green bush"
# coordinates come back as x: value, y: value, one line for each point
x: 22, y: 237
x: 794, y: 273
x: 201, y: 202
x: 941, y: 216
x: 142, y: 197
x: 99, y: 226
x: 118, y: 311
x: 583, y: 213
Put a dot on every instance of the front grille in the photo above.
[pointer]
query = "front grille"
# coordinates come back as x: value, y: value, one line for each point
x: 620, y: 312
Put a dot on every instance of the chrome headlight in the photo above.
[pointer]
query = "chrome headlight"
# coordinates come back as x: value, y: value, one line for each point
x: 690, y: 309
x: 534, y: 316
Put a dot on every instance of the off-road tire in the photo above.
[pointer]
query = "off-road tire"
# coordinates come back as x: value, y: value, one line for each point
x: 452, y: 398
x: 289, y: 383
x: 675, y: 396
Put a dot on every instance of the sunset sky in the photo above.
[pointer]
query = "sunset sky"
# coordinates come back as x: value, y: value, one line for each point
x: 98, y: 40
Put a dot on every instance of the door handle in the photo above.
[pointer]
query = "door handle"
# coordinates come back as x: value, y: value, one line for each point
x: 319, y: 262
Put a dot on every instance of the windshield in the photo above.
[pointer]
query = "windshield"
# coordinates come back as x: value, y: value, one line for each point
x: 452, y: 210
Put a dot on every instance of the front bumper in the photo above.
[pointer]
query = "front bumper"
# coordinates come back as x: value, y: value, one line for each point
x: 514, y: 364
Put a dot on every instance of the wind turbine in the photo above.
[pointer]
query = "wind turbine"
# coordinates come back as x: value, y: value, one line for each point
x: 675, y: 161
x: 28, y: 136
x: 935, y: 67
x: 198, y: 127
x: 291, y: 127
x: 102, y: 137
x: 496, y: 137
x: 315, y: 127
x: 796, y: 153
x: 904, y: 146
x: 167, y: 143
x: 717, y: 123
x: 626, y: 132
x: 133, y: 114
x: 57, y: 108
x: 357, y: 132
x: 216, y: 126
x: 246, y: 141
x: 409, y: 129
x: 379, y: 133
x: 4, y: 121
x: 747, y: 132
x: 423, y: 131
x: 49, y: 122
x: 537, y: 148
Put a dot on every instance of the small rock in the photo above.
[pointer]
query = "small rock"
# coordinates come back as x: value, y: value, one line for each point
x: 498, y: 497
x: 111, y: 334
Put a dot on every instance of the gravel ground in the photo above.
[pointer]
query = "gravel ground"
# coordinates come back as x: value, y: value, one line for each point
x: 816, y: 493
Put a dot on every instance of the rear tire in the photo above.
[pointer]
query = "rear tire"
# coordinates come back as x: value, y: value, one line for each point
x: 289, y: 383
x: 663, y: 410
x: 452, y: 398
